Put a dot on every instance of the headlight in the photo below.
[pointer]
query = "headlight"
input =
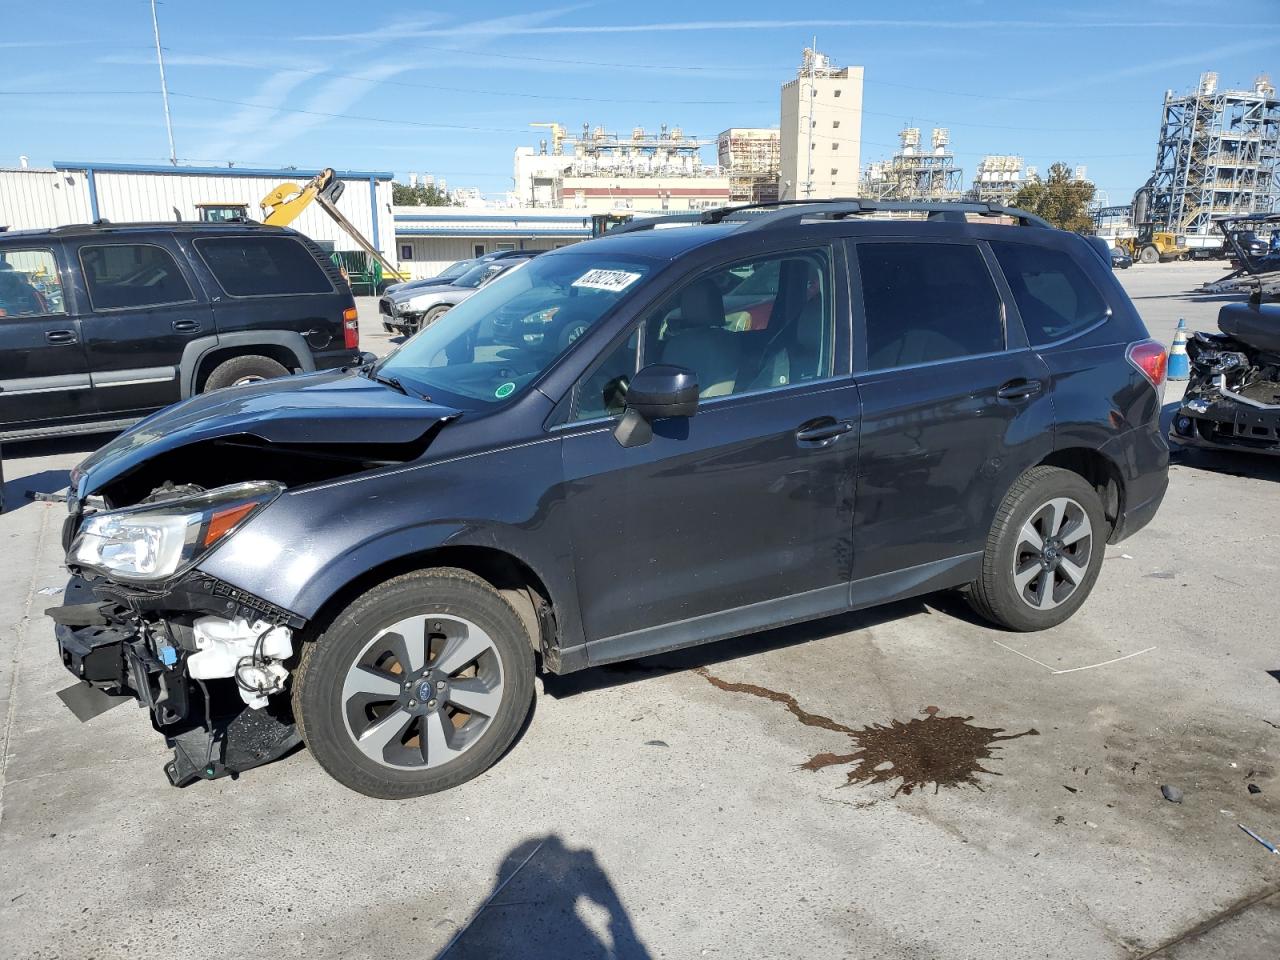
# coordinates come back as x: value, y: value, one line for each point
x: 155, y: 541
x: 542, y: 316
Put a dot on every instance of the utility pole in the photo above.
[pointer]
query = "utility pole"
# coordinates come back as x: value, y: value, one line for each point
x: 813, y: 93
x: 164, y: 86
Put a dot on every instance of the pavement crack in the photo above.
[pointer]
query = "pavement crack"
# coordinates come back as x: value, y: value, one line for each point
x: 1234, y: 910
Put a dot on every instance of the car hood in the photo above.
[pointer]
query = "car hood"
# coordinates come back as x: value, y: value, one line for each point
x: 400, y: 290
x: 313, y: 410
x: 425, y: 297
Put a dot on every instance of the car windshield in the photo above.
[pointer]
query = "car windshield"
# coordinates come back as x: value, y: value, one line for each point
x: 479, y: 274
x: 455, y: 269
x: 494, y: 343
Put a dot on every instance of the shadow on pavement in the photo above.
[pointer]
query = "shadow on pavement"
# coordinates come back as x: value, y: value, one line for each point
x: 549, y: 901
x: 1259, y: 466
x: 16, y: 491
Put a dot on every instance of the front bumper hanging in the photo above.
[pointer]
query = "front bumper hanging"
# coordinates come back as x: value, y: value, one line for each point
x: 207, y: 723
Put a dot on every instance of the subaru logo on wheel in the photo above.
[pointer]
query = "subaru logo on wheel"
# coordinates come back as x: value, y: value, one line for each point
x: 424, y: 690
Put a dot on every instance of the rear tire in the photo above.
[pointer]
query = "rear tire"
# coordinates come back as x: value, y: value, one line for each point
x: 241, y: 370
x: 358, y: 692
x: 1044, y: 551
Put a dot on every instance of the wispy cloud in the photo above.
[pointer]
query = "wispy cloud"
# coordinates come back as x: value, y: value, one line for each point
x: 402, y: 29
x: 31, y: 44
x: 407, y: 32
x: 1200, y: 58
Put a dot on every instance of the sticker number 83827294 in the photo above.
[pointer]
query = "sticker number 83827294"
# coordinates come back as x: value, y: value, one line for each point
x: 611, y: 280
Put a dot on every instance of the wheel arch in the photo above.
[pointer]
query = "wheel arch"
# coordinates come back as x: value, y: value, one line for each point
x: 201, y: 357
x: 1100, y: 471
x: 519, y: 584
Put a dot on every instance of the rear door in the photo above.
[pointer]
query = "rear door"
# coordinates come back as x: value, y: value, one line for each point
x: 44, y: 378
x: 273, y: 282
x: 742, y: 514
x: 954, y: 406
x: 144, y: 306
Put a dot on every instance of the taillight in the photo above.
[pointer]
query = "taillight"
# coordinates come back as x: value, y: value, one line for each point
x: 351, y: 329
x: 1150, y: 359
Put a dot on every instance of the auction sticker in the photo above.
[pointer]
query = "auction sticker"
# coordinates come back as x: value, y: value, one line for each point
x: 611, y: 280
x: 504, y: 391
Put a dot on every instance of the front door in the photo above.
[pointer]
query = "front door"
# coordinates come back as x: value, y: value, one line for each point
x: 44, y: 377
x: 953, y: 410
x: 145, y: 309
x: 737, y: 517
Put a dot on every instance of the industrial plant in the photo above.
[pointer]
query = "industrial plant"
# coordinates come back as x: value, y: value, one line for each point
x: 1218, y: 154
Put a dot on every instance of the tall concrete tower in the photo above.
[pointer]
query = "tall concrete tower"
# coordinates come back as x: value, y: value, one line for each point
x: 821, y: 124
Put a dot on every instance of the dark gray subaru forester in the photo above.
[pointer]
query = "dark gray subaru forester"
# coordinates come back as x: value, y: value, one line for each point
x: 659, y: 438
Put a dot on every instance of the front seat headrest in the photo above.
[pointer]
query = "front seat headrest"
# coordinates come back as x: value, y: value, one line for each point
x: 701, y: 305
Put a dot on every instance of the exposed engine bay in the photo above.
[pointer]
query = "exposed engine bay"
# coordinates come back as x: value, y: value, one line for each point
x: 1232, y: 399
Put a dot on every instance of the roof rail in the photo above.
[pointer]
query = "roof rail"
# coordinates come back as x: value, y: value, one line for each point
x: 840, y: 208
x: 648, y: 223
x: 779, y: 212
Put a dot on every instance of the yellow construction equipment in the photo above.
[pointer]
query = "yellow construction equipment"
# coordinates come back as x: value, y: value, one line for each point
x: 1154, y: 246
x: 286, y: 202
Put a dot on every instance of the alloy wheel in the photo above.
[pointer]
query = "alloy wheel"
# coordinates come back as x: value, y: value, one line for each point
x: 422, y: 691
x: 1051, y: 558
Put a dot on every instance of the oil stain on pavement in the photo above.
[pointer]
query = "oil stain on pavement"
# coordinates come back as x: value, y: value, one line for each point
x: 944, y: 751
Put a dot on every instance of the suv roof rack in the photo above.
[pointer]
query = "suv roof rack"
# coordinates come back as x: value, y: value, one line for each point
x: 780, y: 212
x: 107, y: 226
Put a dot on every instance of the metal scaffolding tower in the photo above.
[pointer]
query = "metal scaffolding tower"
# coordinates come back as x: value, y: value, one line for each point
x: 1219, y: 153
x: 997, y: 180
x: 913, y: 175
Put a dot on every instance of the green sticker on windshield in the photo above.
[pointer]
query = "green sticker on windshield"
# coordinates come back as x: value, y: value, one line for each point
x: 504, y: 391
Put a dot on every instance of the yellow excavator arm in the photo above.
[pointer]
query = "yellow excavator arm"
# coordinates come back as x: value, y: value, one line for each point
x: 286, y: 202
x: 282, y: 205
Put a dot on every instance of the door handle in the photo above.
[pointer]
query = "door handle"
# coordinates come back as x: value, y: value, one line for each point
x: 185, y: 326
x: 1020, y: 389
x: 820, y: 432
x: 60, y: 337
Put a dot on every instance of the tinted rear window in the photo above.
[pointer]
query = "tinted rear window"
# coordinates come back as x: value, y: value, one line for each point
x: 124, y: 275
x: 927, y: 302
x: 262, y: 266
x: 1053, y: 294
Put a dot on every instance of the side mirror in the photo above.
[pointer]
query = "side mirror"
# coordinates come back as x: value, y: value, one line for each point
x: 657, y: 392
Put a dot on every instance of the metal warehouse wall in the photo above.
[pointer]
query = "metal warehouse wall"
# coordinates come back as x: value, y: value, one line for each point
x: 150, y: 196
x: 49, y: 198
x: 32, y: 199
x: 433, y: 254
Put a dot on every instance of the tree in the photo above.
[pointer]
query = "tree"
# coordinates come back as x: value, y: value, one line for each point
x: 423, y: 195
x: 1061, y: 199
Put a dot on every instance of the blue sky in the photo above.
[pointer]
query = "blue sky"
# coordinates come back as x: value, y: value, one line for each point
x: 450, y: 88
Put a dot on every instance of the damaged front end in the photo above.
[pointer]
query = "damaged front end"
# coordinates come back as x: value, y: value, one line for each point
x: 1232, y: 399
x: 141, y: 619
x: 207, y: 660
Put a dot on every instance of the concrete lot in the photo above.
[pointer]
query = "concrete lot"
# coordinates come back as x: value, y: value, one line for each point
x: 664, y: 809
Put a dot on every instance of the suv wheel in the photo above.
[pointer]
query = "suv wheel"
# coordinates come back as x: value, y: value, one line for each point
x: 1044, y: 551
x: 241, y: 370
x: 419, y: 685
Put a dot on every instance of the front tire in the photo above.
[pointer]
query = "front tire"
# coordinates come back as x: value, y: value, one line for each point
x: 1149, y: 255
x: 432, y: 315
x: 1044, y: 551
x: 420, y: 684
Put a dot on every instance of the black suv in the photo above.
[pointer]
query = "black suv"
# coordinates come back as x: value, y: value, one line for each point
x: 104, y: 323
x: 766, y: 417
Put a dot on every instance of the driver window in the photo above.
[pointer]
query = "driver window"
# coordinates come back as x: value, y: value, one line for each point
x: 29, y: 284
x: 758, y: 325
